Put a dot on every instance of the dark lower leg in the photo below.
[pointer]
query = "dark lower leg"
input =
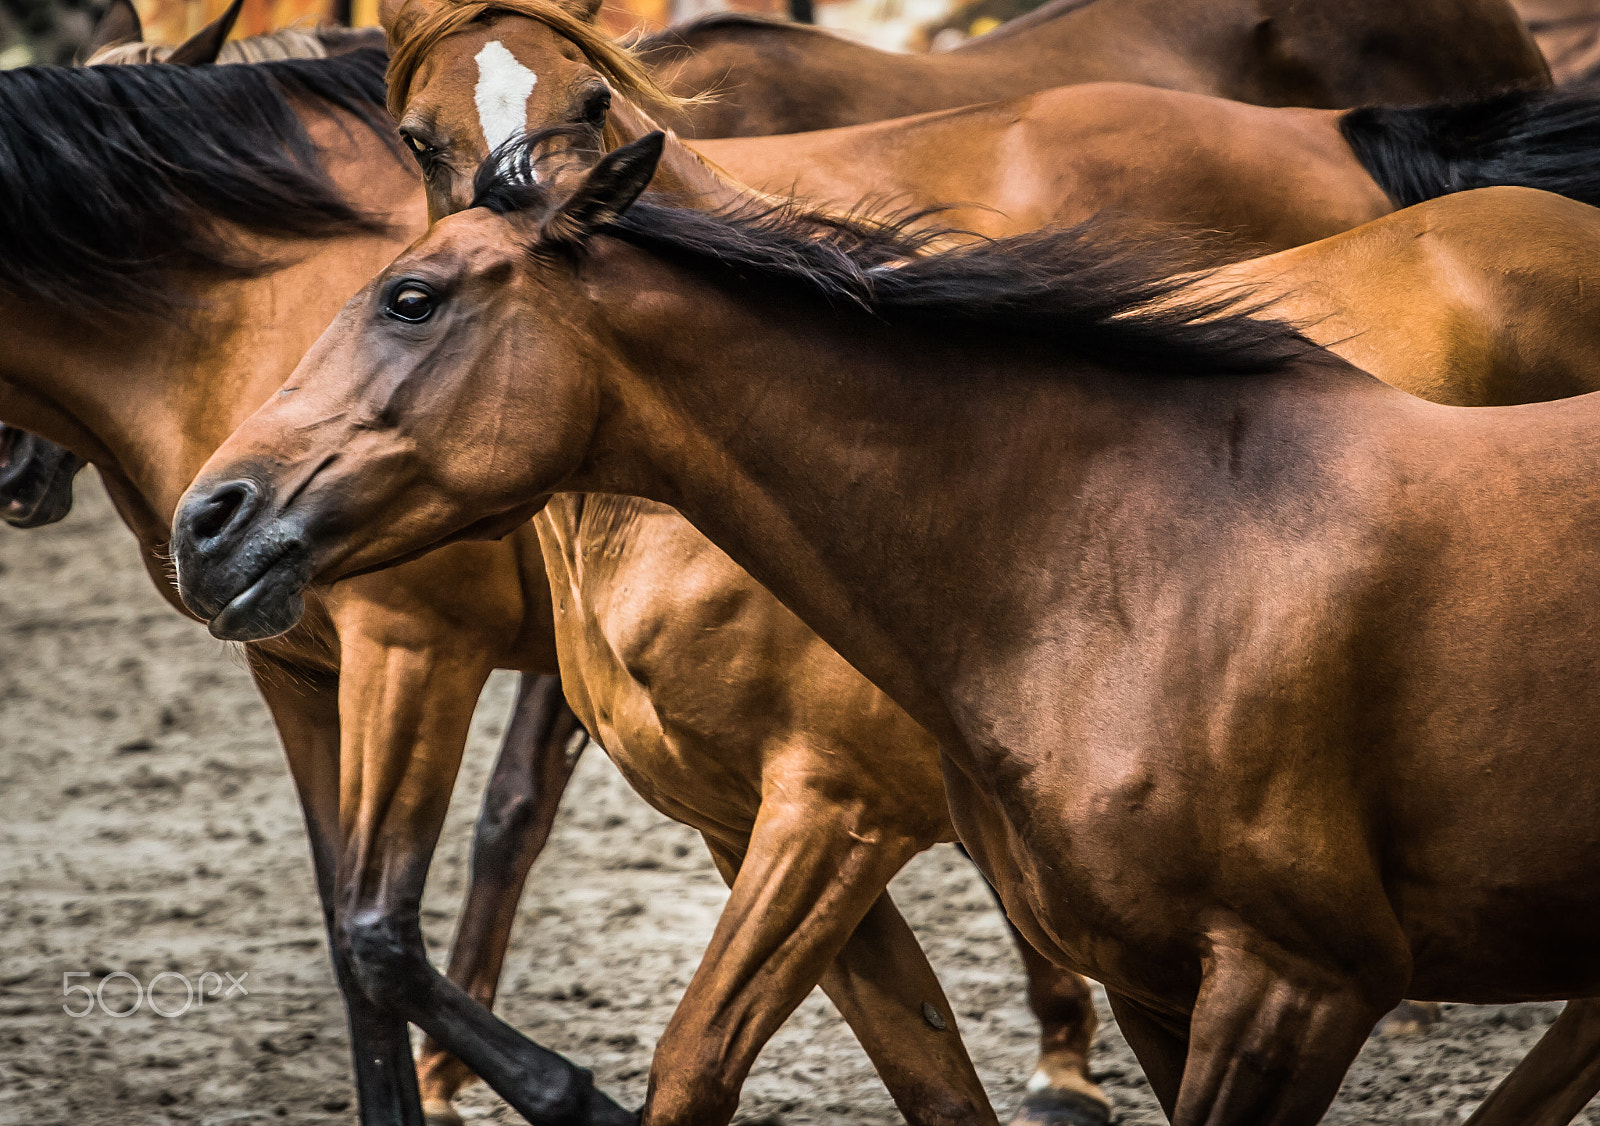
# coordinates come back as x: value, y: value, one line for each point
x: 305, y: 709
x: 406, y: 709
x: 383, y: 945
x: 519, y: 808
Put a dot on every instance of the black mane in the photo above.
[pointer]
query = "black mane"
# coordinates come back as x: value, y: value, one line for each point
x: 1112, y: 301
x: 118, y: 175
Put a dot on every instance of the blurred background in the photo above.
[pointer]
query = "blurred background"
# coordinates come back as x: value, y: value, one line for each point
x: 54, y: 31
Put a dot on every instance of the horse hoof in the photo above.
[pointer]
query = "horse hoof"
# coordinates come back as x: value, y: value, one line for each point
x: 1058, y: 1106
x: 437, y: 1112
x: 1410, y: 1018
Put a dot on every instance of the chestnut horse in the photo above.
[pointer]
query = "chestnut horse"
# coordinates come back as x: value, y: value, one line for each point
x: 1250, y: 676
x: 771, y: 77
x: 404, y: 720
x: 1270, y: 178
x: 1509, y: 315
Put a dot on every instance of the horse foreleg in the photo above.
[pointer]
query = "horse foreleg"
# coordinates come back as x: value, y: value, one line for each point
x: 519, y: 807
x: 1060, y: 1092
x: 1273, y: 1032
x: 406, y: 703
x: 1556, y: 1079
x: 306, y: 711
x: 882, y: 984
x: 810, y: 872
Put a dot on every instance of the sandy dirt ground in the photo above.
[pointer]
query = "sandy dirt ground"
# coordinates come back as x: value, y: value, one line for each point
x: 147, y: 825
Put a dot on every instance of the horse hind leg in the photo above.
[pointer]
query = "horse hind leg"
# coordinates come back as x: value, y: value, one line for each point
x: 1060, y: 1092
x: 1556, y: 1079
x: 519, y: 808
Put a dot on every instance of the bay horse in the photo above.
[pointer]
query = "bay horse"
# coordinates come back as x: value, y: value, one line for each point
x: 207, y: 232
x: 1568, y: 35
x: 771, y: 77
x: 36, y: 475
x: 441, y: 48
x: 118, y: 39
x: 373, y: 693
x: 1247, y: 673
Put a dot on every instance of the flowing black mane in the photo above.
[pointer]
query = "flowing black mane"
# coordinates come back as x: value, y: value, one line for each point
x: 117, y: 175
x: 1116, y: 302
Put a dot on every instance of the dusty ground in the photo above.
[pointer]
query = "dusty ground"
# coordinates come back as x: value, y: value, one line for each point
x: 147, y: 824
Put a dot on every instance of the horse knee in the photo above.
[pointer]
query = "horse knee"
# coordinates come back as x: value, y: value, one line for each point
x: 503, y: 826
x: 384, y: 954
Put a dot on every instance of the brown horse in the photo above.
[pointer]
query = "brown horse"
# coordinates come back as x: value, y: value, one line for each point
x: 1269, y: 178
x: 1250, y: 676
x: 786, y: 78
x: 403, y: 721
x: 119, y: 39
x: 442, y: 45
x: 222, y: 241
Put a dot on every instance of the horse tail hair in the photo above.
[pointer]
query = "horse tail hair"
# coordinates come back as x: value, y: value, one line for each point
x: 1548, y: 139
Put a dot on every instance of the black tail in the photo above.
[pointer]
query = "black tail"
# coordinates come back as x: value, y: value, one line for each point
x: 1547, y: 139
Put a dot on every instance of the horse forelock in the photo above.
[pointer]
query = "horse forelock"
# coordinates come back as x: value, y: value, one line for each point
x: 614, y: 62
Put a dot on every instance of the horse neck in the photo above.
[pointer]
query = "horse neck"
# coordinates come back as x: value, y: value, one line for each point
x: 681, y: 171
x: 835, y: 459
x: 144, y: 402
x: 148, y: 400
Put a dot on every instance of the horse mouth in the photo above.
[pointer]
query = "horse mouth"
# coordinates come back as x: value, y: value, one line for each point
x: 35, y: 489
x: 270, y: 603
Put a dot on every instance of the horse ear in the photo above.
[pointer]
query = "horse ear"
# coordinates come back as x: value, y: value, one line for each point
x: 206, y: 44
x: 607, y: 191
x: 119, y: 25
x: 397, y: 16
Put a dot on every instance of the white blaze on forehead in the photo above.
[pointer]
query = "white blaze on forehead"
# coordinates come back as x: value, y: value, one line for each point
x: 504, y: 86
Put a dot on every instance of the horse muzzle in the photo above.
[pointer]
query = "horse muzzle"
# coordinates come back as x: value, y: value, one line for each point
x: 35, y: 479
x: 240, y: 567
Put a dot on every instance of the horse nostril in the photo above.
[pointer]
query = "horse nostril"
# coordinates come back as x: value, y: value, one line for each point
x: 226, y: 508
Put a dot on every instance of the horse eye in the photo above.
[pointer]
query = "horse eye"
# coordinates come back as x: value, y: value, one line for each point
x: 410, y: 302
x: 425, y: 156
x: 596, y: 106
